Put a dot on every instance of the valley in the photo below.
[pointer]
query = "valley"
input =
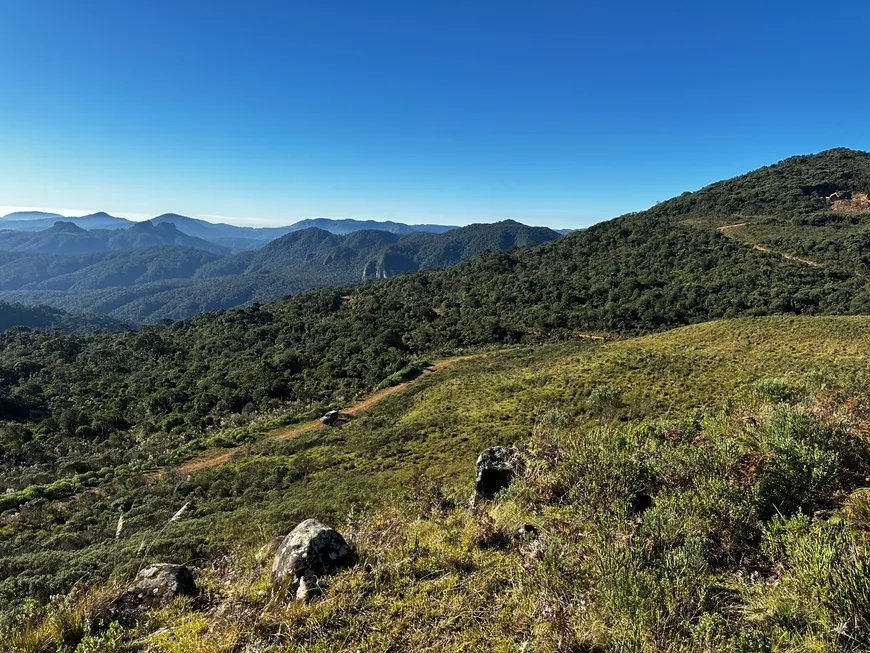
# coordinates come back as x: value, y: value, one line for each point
x: 148, y: 273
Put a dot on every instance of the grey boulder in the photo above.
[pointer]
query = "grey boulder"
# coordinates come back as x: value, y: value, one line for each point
x: 154, y: 587
x: 310, y: 551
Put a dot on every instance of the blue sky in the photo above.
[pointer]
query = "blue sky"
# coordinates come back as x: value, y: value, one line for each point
x: 557, y: 113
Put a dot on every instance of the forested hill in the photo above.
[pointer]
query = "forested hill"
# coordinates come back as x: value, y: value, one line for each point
x: 42, y: 317
x: 367, y: 254
x: 799, y: 185
x: 642, y: 272
x: 150, y: 284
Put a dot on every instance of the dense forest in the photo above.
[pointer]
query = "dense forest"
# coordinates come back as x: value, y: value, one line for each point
x: 42, y: 317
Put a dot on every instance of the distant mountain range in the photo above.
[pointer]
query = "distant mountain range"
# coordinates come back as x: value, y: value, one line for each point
x: 348, y: 226
x: 153, y: 270
x: 227, y: 236
x: 70, y: 238
x: 39, y: 220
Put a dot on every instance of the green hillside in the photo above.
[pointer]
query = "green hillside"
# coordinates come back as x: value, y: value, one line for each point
x: 682, y: 394
x: 123, y: 397
x: 639, y: 273
x: 813, y: 209
x: 736, y: 498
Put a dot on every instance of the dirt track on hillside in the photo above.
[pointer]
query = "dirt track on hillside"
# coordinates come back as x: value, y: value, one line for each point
x: 761, y: 248
x: 221, y: 457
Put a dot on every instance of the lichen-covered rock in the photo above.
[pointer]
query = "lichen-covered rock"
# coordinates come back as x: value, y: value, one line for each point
x: 310, y: 551
x: 496, y: 468
x: 154, y: 587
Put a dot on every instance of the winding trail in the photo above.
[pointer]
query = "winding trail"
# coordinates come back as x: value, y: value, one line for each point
x: 220, y: 457
x: 761, y: 248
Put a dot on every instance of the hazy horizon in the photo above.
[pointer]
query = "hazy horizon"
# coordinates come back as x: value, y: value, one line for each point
x: 247, y: 222
x: 418, y: 113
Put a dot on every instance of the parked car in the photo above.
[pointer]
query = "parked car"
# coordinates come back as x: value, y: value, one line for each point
x: 330, y: 418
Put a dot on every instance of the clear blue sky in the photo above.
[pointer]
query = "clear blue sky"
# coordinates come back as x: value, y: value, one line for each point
x: 558, y: 113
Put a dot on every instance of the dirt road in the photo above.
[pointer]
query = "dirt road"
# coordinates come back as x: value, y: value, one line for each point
x: 217, y: 458
x: 761, y: 248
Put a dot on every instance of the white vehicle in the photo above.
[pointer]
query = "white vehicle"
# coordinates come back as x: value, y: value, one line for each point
x: 330, y: 418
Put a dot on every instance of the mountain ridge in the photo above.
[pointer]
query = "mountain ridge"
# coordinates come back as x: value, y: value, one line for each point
x: 234, y: 237
x: 67, y: 237
x: 130, y: 287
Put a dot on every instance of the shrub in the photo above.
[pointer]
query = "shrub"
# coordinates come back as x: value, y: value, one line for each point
x: 803, y: 462
x: 773, y: 390
x: 605, y: 401
x: 825, y: 579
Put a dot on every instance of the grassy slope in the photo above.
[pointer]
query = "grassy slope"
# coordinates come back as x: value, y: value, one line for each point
x: 440, y: 424
x: 437, y: 427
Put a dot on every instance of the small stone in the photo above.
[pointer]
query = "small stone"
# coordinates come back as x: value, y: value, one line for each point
x: 526, y: 533
x: 306, y: 588
x: 154, y: 587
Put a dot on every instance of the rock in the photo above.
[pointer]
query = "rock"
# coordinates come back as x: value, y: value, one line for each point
x: 639, y: 502
x: 310, y: 551
x: 496, y: 468
x: 307, y: 587
x: 526, y: 533
x: 154, y: 587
